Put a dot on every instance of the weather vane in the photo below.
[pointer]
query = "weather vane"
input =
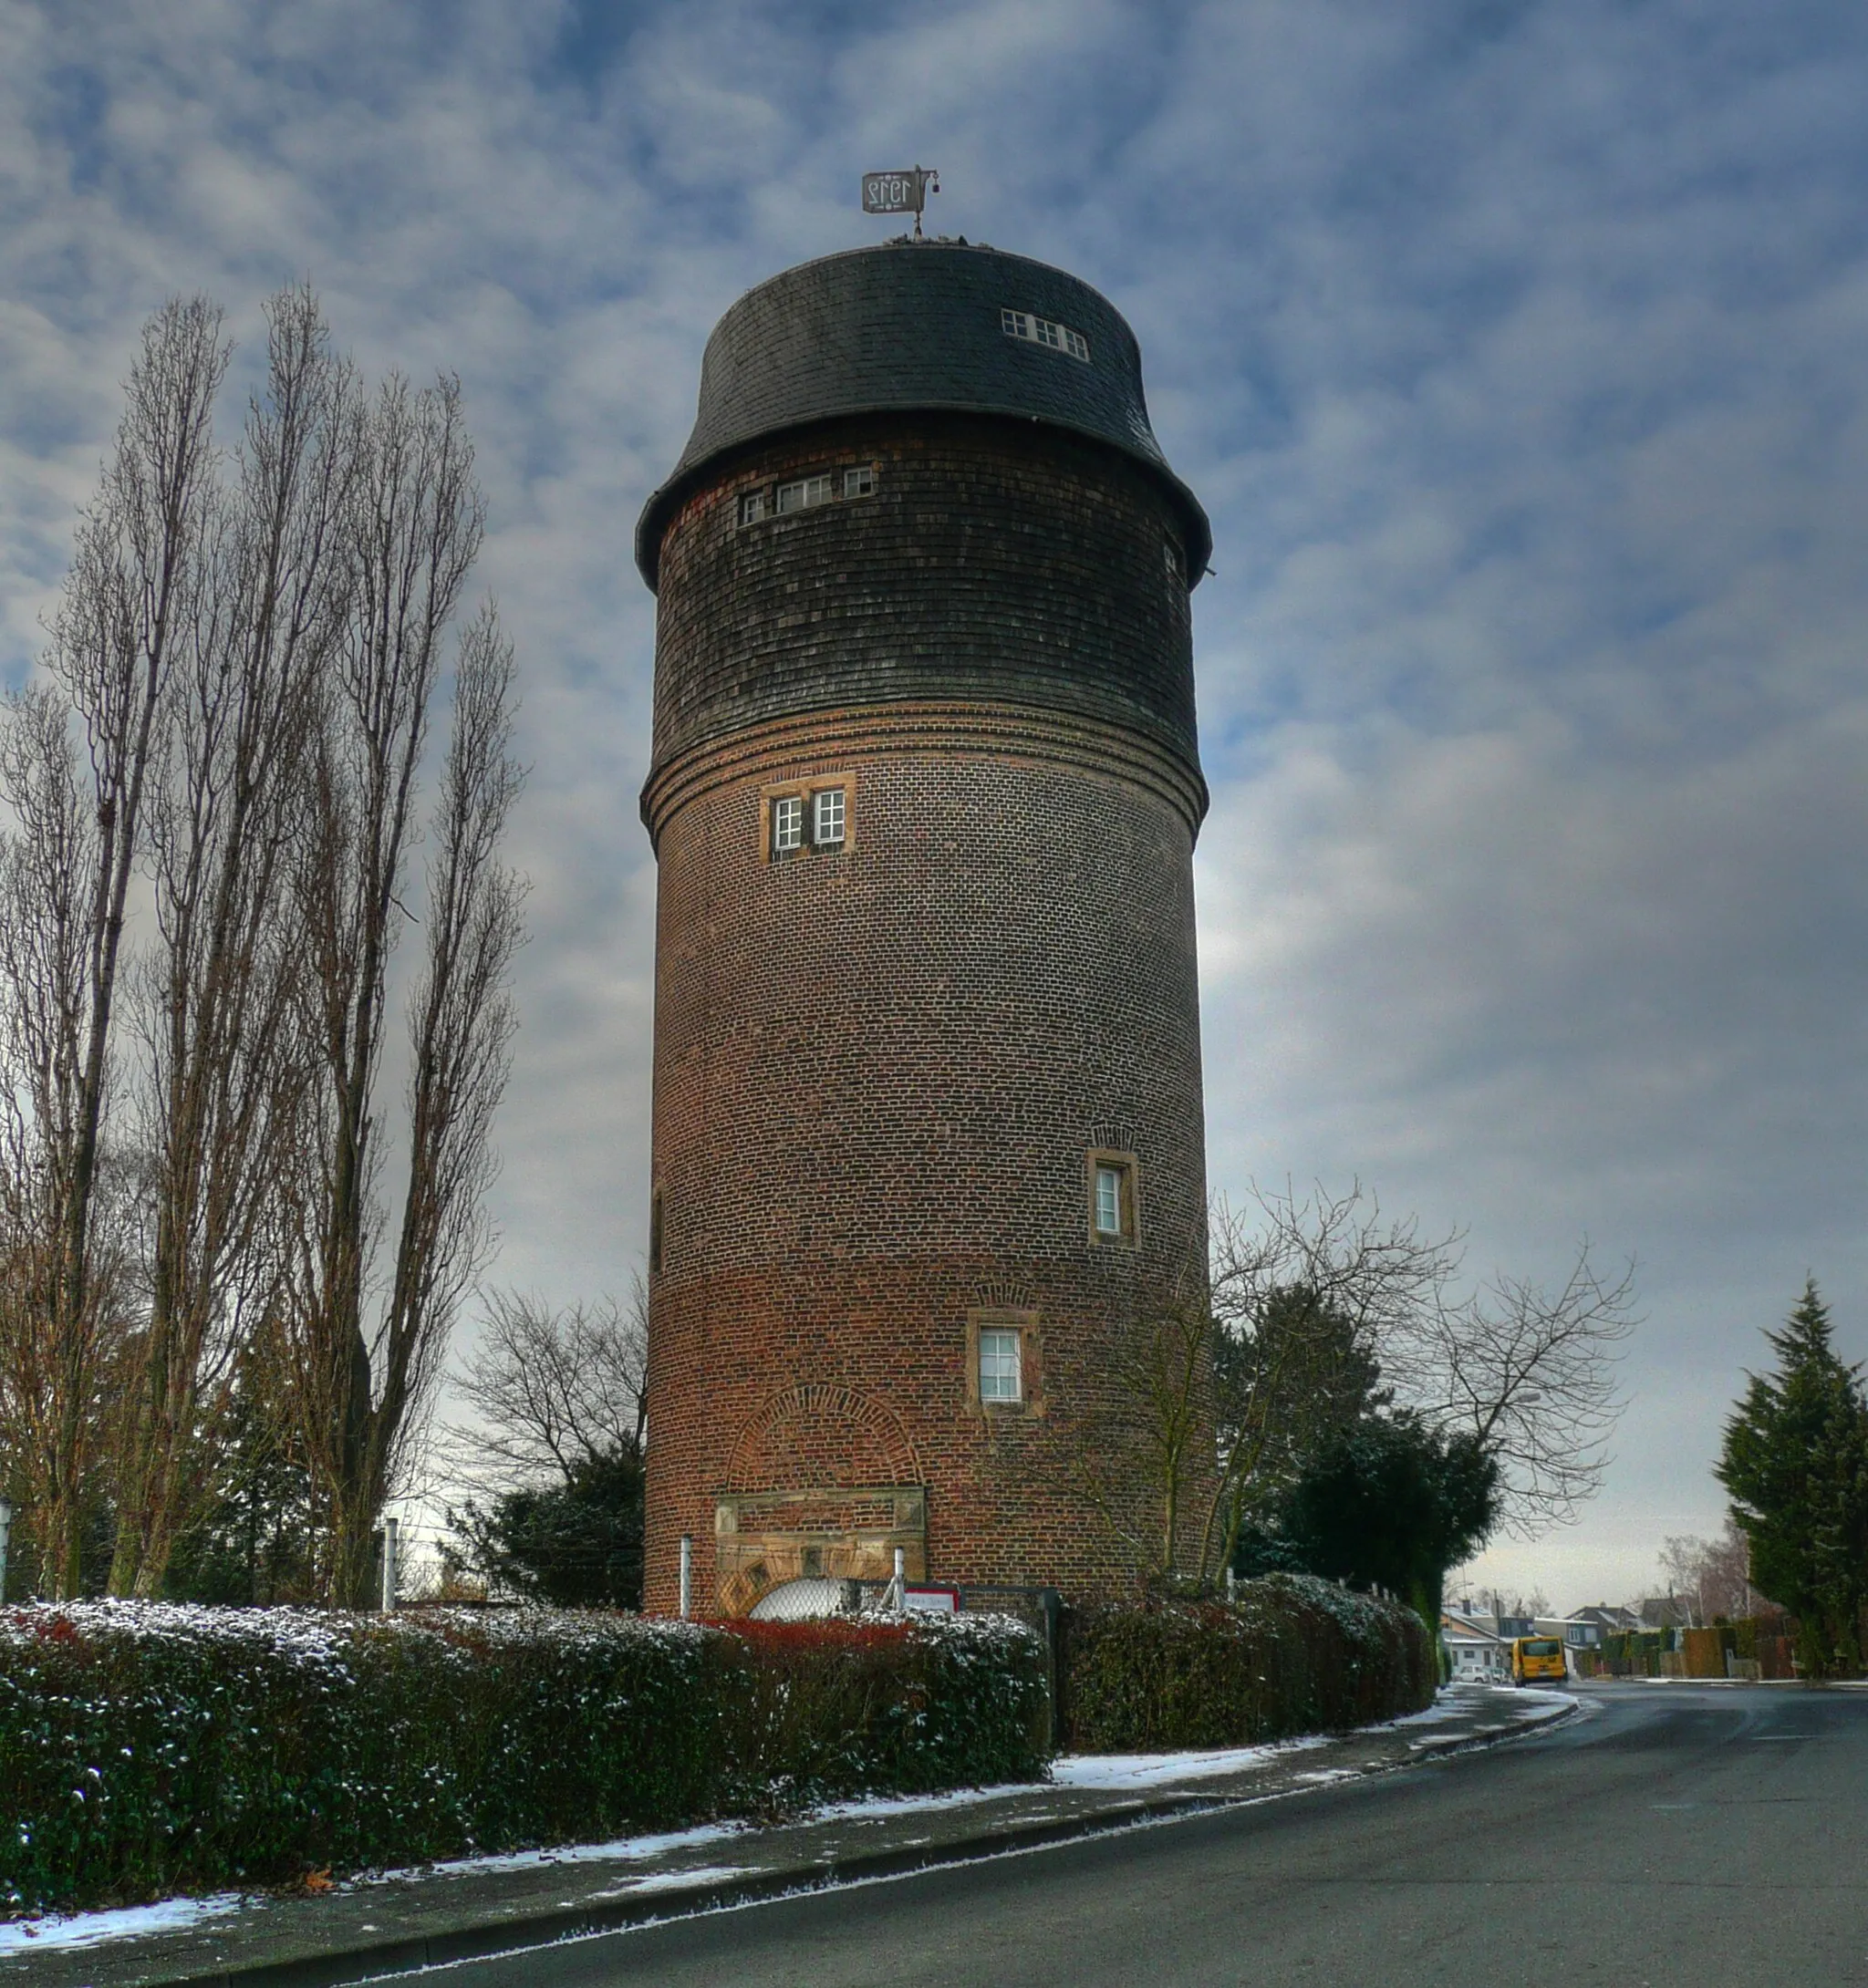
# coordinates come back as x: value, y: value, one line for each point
x: 903, y: 192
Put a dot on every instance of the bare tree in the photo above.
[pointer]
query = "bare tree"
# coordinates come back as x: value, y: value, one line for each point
x: 1531, y: 1370
x: 216, y: 989
x: 1316, y: 1299
x: 369, y: 1338
x: 1680, y: 1556
x: 45, y: 867
x: 1306, y: 1297
x: 1710, y: 1577
x: 129, y: 601
x: 554, y: 1390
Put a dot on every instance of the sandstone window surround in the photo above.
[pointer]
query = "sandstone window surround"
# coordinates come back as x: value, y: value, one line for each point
x: 812, y: 815
x: 1113, y: 1184
x: 1004, y: 1363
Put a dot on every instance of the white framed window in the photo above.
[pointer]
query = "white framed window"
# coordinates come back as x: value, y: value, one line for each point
x: 827, y: 817
x: 803, y: 492
x: 755, y: 504
x: 1002, y: 1377
x: 1044, y: 332
x: 787, y: 823
x: 1111, y: 1182
x: 859, y: 482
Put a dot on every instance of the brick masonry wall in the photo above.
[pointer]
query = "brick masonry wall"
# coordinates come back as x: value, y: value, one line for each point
x: 880, y: 1071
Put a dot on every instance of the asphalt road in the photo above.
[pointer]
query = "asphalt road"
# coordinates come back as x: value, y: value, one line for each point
x: 1676, y: 1835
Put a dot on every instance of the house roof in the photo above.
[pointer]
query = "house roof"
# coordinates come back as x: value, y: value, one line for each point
x: 1463, y: 1628
x: 912, y: 326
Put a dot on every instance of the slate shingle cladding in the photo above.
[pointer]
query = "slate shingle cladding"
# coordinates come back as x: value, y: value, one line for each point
x: 1018, y: 565
x: 916, y: 327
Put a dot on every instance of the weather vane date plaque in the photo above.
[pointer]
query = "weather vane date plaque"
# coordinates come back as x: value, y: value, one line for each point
x: 904, y: 192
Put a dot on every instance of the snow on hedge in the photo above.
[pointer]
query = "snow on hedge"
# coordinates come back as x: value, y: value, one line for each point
x: 148, y: 1748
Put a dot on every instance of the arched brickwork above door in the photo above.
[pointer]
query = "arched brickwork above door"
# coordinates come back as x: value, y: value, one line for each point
x: 821, y: 1435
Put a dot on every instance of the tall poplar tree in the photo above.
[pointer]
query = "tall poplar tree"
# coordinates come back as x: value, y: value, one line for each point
x: 1795, y: 1462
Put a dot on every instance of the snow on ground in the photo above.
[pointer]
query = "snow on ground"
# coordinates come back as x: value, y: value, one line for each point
x: 663, y: 1881
x: 626, y: 1849
x: 123, y: 1923
x: 1144, y: 1770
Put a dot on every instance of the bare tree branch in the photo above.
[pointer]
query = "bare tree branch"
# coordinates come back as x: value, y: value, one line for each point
x: 1531, y: 1372
x: 552, y: 1391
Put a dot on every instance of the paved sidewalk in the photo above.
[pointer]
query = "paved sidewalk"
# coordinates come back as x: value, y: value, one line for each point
x: 406, y: 1920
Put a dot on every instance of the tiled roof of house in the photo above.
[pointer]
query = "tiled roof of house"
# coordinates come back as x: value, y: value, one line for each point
x: 912, y: 326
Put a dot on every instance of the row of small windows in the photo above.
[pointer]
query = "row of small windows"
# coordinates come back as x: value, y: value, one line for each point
x: 804, y: 493
x: 807, y: 493
x: 1041, y: 331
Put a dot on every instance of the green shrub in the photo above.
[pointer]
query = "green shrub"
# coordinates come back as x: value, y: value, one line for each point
x: 1290, y: 1654
x: 150, y: 1749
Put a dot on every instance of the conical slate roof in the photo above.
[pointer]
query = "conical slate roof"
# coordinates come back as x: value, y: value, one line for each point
x: 913, y: 325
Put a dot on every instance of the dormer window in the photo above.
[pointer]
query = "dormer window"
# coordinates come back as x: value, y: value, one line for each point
x: 1037, y: 330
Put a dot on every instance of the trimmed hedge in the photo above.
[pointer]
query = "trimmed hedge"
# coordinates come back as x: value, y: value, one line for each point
x: 1290, y: 1654
x: 148, y: 1749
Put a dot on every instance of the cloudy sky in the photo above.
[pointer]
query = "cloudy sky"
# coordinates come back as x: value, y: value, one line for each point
x: 1520, y: 352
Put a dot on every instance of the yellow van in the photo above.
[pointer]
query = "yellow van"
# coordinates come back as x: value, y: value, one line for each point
x: 1536, y: 1660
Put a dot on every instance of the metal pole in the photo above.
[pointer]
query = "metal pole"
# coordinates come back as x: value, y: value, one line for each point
x: 687, y: 1574
x: 5, y: 1527
x: 388, y: 1566
x: 901, y: 1578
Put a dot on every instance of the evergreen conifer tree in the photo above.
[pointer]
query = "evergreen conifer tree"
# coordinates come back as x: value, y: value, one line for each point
x: 1795, y: 1463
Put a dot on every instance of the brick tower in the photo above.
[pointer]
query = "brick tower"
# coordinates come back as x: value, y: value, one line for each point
x: 927, y: 1129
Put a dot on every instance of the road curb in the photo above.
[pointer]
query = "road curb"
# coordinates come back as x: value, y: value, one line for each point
x: 518, y: 1934
x: 407, y: 1952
